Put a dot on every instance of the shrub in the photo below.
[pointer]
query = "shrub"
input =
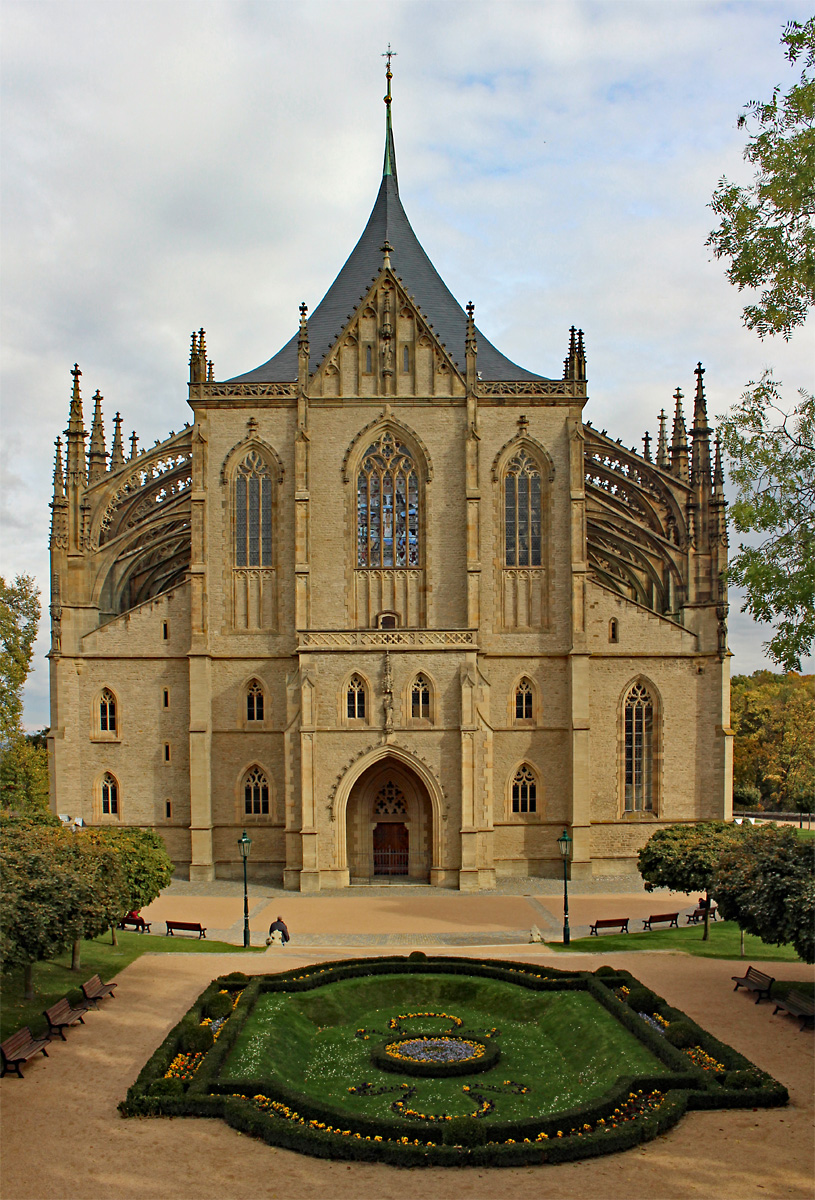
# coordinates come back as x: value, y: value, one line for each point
x: 195, y: 1038
x: 641, y: 1000
x: 234, y: 977
x: 219, y: 1005
x: 166, y: 1087
x: 606, y: 970
x: 465, y: 1131
x: 417, y: 956
x: 681, y: 1034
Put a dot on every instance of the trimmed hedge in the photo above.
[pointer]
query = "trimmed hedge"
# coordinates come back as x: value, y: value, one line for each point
x: 460, y: 1141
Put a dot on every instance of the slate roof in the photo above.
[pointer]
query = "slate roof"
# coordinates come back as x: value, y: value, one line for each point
x: 387, y: 222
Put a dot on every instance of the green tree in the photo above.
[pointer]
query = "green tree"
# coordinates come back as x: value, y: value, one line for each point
x: 684, y: 857
x: 19, y: 620
x: 766, y: 229
x: 772, y: 464
x: 145, y: 866
x: 773, y: 718
x: 766, y: 883
x: 24, y: 777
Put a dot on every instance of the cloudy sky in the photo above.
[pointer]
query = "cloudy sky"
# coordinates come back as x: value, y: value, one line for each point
x: 170, y: 165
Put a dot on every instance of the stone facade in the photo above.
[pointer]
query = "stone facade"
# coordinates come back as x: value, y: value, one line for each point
x: 387, y: 615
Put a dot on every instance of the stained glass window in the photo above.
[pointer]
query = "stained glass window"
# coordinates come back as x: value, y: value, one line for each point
x: 355, y: 698
x: 522, y: 512
x: 523, y: 701
x: 524, y: 791
x: 253, y: 513
x: 387, y: 506
x: 256, y: 793
x: 110, y: 796
x: 107, y: 712
x: 639, y: 726
x: 254, y: 701
x: 420, y: 698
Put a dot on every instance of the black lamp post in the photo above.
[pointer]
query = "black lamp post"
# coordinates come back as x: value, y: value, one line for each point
x: 245, y: 845
x: 564, y: 845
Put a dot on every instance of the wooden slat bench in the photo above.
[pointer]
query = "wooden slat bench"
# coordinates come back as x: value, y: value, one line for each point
x: 671, y: 918
x: 620, y: 923
x: 60, y: 1016
x: 18, y: 1048
x: 137, y: 923
x: 797, y: 1005
x: 95, y: 990
x: 187, y: 927
x: 754, y: 981
x: 698, y: 915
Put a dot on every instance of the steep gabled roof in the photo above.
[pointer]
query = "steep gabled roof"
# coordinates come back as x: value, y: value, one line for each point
x: 387, y: 223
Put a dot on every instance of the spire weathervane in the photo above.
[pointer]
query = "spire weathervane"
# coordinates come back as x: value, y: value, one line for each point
x: 388, y: 54
x: 389, y: 166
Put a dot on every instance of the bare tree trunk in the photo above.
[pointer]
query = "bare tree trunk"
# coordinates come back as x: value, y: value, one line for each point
x: 113, y: 939
x: 741, y: 931
x: 28, y: 981
x: 76, y: 955
x: 706, y: 934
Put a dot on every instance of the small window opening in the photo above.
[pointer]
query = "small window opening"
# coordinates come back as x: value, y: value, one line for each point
x: 613, y: 631
x: 387, y: 620
x: 254, y: 702
x: 166, y: 751
x: 369, y: 357
x: 356, y: 699
x: 168, y: 809
x: 420, y: 698
x: 166, y: 695
x: 524, y: 792
x: 406, y: 360
x: 165, y: 630
x: 523, y: 701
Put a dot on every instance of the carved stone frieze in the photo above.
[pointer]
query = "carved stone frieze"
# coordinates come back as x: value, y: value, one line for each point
x: 351, y: 639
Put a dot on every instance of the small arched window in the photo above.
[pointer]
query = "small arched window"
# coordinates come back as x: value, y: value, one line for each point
x: 420, y: 699
x: 522, y: 512
x: 355, y: 699
x: 523, y: 701
x: 524, y: 791
x: 387, y: 506
x: 107, y: 712
x: 254, y: 701
x: 109, y: 796
x: 256, y: 793
x: 253, y: 513
x: 638, y: 718
x: 613, y: 630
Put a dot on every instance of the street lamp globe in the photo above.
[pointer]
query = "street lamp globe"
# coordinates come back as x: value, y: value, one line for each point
x: 564, y: 844
x: 244, y: 844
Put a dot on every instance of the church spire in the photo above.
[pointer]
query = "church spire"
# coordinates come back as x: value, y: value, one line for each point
x: 662, y: 442
x: 679, y: 441
x: 97, y: 455
x: 76, y: 434
x: 700, y: 434
x: 389, y: 165
x: 117, y: 454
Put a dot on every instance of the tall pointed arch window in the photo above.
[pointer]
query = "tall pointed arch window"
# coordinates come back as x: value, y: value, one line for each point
x: 255, y: 793
x: 107, y: 712
x: 638, y: 736
x: 109, y: 795
x: 420, y: 699
x: 524, y: 791
x: 388, y: 498
x: 254, y: 702
x: 355, y: 699
x: 522, y: 512
x: 253, y: 513
x: 523, y: 701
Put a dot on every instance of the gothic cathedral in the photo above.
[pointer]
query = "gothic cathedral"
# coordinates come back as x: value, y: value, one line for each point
x: 391, y: 605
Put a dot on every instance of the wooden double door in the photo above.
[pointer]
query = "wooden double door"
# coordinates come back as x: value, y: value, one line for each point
x: 391, y: 848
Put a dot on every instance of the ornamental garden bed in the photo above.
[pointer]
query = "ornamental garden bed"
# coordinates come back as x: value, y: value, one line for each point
x: 407, y: 1061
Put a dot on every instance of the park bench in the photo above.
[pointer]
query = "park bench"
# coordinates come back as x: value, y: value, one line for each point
x: 754, y: 981
x: 18, y: 1048
x: 187, y: 926
x: 797, y: 1005
x: 671, y: 918
x: 620, y: 923
x: 698, y: 915
x: 137, y: 923
x: 60, y: 1016
x: 95, y: 990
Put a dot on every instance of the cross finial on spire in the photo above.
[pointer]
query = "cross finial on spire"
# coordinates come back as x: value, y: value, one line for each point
x: 388, y: 54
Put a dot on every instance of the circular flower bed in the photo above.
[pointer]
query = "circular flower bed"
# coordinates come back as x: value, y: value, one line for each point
x: 437, y: 1056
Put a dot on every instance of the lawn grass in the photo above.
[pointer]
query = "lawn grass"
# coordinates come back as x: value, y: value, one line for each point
x: 724, y: 942
x: 53, y: 979
x: 562, y: 1046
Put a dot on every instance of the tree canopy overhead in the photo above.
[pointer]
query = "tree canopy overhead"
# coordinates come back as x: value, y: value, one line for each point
x: 766, y: 229
x: 19, y: 621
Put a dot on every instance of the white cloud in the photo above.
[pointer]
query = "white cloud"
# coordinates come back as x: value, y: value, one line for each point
x: 173, y: 164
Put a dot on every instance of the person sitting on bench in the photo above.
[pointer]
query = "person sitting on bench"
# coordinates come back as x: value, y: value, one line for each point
x: 278, y: 926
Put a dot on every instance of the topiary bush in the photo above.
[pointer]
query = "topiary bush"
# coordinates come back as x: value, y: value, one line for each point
x: 681, y: 1034
x: 219, y: 1005
x: 641, y: 999
x: 195, y: 1038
